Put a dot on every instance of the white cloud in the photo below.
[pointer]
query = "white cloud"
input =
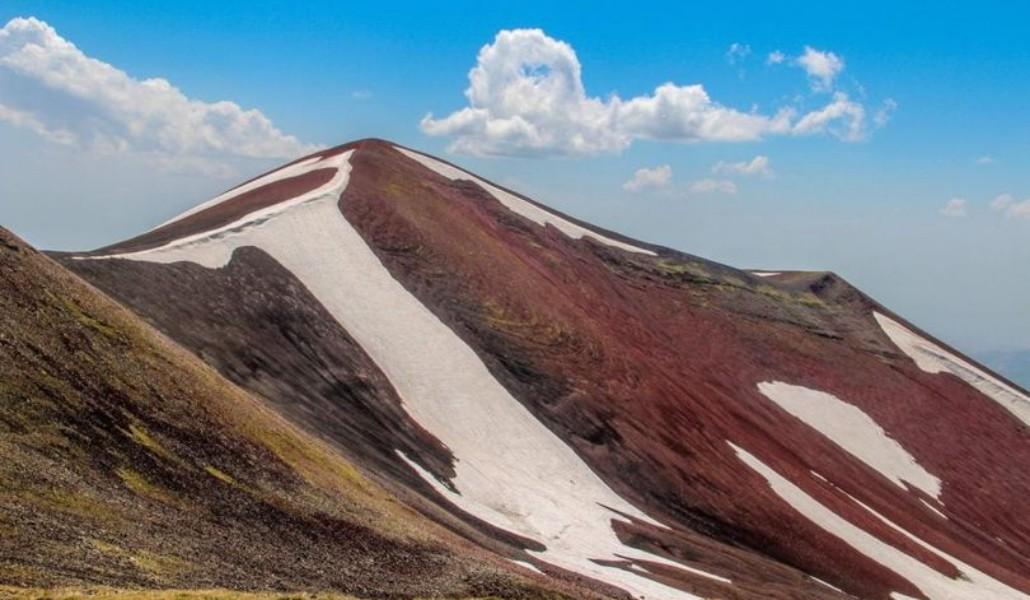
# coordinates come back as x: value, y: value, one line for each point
x: 775, y: 58
x: 985, y: 160
x: 709, y: 185
x: 657, y: 177
x: 526, y: 97
x: 361, y: 94
x: 842, y: 118
x: 1002, y: 201
x: 956, y: 207
x: 758, y: 165
x: 822, y: 67
x: 885, y: 112
x: 49, y: 86
x: 737, y: 53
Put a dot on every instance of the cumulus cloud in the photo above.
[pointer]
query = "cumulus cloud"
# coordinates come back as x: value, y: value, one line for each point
x: 956, y: 207
x: 737, y: 53
x: 49, y: 86
x: 645, y: 178
x: 758, y: 165
x: 822, y: 67
x: 775, y: 57
x: 526, y: 98
x: 710, y: 186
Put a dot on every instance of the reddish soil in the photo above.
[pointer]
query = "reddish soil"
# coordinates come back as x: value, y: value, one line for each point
x: 646, y: 366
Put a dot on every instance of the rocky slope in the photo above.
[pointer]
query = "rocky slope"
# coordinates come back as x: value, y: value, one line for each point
x: 597, y: 408
x: 127, y: 462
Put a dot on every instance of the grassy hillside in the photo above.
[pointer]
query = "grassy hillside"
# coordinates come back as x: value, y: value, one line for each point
x: 128, y: 463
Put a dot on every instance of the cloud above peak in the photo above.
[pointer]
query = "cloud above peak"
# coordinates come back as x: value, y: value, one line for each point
x: 49, y: 86
x: 822, y: 67
x: 526, y: 98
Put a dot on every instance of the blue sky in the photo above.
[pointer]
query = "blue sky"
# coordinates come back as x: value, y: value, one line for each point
x: 325, y: 73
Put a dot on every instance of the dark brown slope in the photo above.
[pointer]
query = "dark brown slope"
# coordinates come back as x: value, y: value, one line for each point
x: 127, y: 462
x: 646, y: 366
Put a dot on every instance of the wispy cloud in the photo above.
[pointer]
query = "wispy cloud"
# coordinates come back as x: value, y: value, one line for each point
x: 1012, y: 209
x: 758, y: 165
x: 955, y: 208
x: 710, y: 186
x: 49, y: 86
x: 526, y: 97
x: 737, y: 52
x: 885, y: 112
x: 984, y: 160
x: 775, y: 57
x: 645, y: 178
x: 1018, y: 210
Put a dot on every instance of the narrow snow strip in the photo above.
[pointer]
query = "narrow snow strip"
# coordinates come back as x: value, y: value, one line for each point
x: 765, y: 273
x: 972, y: 585
x: 299, y: 168
x: 934, y: 509
x: 511, y: 471
x: 933, y: 359
x: 853, y: 430
x: 518, y: 205
x: 527, y: 565
x: 330, y: 189
x: 827, y: 584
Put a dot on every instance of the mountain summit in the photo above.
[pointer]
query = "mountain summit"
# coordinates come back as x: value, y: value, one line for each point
x: 603, y: 411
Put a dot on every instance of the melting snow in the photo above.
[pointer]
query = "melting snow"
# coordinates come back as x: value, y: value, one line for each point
x: 829, y: 585
x: 511, y: 471
x: 853, y: 430
x: 971, y: 585
x: 934, y: 509
x: 933, y: 359
x: 298, y: 168
x: 527, y: 565
x: 518, y: 205
x: 765, y: 273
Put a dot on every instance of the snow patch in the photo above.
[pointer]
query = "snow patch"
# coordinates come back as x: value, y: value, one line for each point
x: 298, y: 168
x: 971, y: 585
x: 854, y: 431
x: 827, y: 584
x: 518, y: 205
x: 931, y: 358
x: 527, y: 565
x: 511, y: 471
x: 766, y: 273
x: 933, y: 508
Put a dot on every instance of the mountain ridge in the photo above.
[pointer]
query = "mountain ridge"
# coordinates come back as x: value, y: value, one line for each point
x: 422, y: 321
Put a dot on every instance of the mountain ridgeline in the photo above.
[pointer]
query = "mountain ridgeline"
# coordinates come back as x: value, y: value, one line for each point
x: 474, y: 394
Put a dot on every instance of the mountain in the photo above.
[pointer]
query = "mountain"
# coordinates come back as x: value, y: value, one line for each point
x: 605, y: 411
x: 127, y: 462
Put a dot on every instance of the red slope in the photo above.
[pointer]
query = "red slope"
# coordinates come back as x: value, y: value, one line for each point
x: 648, y: 366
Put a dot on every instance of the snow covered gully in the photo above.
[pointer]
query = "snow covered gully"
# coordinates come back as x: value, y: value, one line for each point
x: 511, y: 470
